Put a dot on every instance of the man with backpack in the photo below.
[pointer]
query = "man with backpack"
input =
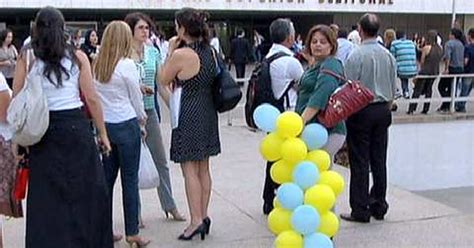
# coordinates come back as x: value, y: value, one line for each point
x: 276, y: 78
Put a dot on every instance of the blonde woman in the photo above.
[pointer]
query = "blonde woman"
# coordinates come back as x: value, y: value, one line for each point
x: 389, y: 36
x: 117, y: 81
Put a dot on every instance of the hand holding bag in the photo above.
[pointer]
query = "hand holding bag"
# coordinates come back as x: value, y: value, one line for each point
x: 345, y: 101
x: 148, y: 177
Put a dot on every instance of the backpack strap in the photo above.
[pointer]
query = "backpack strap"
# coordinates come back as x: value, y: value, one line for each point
x: 276, y: 56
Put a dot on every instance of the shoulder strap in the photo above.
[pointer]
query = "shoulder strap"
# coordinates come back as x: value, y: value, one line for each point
x: 331, y: 73
x: 276, y: 56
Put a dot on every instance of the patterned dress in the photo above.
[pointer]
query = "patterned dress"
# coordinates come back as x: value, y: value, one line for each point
x: 197, y: 136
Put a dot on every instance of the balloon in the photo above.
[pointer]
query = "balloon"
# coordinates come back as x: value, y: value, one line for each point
x: 276, y: 203
x: 281, y: 172
x: 279, y: 220
x: 293, y: 150
x: 289, y: 124
x: 315, y: 136
x: 306, y: 174
x: 271, y: 146
x: 333, y: 180
x: 321, y: 158
x: 305, y: 219
x: 290, y: 196
x: 321, y: 197
x: 317, y: 240
x: 265, y: 117
x: 329, y: 224
x: 289, y: 239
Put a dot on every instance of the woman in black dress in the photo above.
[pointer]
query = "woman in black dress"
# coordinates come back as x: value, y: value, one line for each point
x: 68, y: 201
x: 191, y: 69
x: 91, y: 45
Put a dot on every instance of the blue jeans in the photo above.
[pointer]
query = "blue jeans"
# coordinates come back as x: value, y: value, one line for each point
x: 125, y: 141
x: 466, y: 87
x: 405, y: 88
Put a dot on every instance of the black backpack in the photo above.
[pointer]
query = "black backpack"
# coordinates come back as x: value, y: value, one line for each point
x: 260, y: 91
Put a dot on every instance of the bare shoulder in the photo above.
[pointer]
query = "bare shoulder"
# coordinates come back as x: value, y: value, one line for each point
x: 184, y: 53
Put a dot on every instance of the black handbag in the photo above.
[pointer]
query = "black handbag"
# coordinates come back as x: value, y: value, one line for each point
x: 226, y: 92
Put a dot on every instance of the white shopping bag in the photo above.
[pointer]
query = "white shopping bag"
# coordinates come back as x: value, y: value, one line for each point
x: 148, y: 177
x: 175, y: 105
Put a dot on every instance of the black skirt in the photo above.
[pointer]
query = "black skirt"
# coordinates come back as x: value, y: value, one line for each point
x: 68, y: 205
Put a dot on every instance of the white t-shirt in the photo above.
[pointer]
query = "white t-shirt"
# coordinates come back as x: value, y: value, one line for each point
x: 5, y: 130
x: 121, y: 97
x: 216, y: 44
x: 283, y: 71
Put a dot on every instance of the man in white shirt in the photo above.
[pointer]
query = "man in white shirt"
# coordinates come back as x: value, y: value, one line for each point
x: 284, y: 73
x: 354, y: 36
x: 344, y: 46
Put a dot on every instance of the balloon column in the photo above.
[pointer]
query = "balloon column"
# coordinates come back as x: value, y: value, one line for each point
x: 302, y: 216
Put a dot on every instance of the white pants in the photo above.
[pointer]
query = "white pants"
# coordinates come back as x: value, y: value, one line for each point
x: 335, y: 142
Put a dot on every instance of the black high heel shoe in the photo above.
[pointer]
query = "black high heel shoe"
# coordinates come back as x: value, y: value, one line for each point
x: 201, y: 229
x: 207, y: 221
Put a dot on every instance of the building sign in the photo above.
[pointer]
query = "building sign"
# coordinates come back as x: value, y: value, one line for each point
x: 359, y: 6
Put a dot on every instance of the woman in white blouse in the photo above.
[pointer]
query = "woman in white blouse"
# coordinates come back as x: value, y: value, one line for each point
x: 117, y: 82
x: 8, y: 206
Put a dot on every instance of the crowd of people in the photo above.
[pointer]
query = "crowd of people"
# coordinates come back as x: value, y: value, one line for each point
x: 117, y: 84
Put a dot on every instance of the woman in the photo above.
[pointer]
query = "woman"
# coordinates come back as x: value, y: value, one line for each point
x: 8, y: 56
x: 191, y: 66
x: 118, y: 84
x: 90, y: 46
x: 149, y: 59
x: 431, y: 55
x: 8, y: 205
x: 316, y: 86
x: 389, y: 36
x: 68, y: 204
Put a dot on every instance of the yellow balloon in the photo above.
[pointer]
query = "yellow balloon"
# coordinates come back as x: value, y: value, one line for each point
x: 279, y: 220
x: 289, y: 239
x: 321, y: 197
x: 293, y: 150
x: 321, y: 158
x: 329, y: 224
x: 276, y: 203
x: 281, y: 172
x: 333, y: 180
x: 271, y: 146
x: 289, y: 124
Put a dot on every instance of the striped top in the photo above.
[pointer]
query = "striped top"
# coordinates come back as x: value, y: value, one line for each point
x: 404, y: 52
x: 147, y: 67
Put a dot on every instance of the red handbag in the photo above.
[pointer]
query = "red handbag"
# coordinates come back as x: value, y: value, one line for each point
x: 21, y: 181
x: 345, y: 101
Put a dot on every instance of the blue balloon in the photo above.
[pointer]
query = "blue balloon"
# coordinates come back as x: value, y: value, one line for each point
x: 290, y: 196
x: 315, y: 136
x: 265, y: 117
x: 305, y: 220
x: 318, y: 240
x: 306, y: 174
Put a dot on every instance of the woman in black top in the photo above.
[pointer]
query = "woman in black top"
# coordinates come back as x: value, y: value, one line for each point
x: 91, y: 45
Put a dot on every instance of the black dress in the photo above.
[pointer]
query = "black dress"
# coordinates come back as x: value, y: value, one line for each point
x: 68, y: 205
x: 197, y: 136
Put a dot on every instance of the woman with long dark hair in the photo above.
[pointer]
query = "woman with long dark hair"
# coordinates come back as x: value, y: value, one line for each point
x: 191, y: 68
x: 8, y: 55
x: 91, y: 45
x: 68, y: 202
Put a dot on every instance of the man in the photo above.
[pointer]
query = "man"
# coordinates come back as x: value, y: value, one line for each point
x: 344, y: 46
x: 404, y: 51
x: 367, y: 130
x: 354, y: 36
x: 454, y: 64
x: 240, y: 51
x: 283, y: 71
x: 466, y: 85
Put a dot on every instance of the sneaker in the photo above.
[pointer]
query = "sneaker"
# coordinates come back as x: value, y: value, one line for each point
x: 406, y: 95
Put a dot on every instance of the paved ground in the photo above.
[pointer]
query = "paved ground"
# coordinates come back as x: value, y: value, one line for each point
x: 414, y: 219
